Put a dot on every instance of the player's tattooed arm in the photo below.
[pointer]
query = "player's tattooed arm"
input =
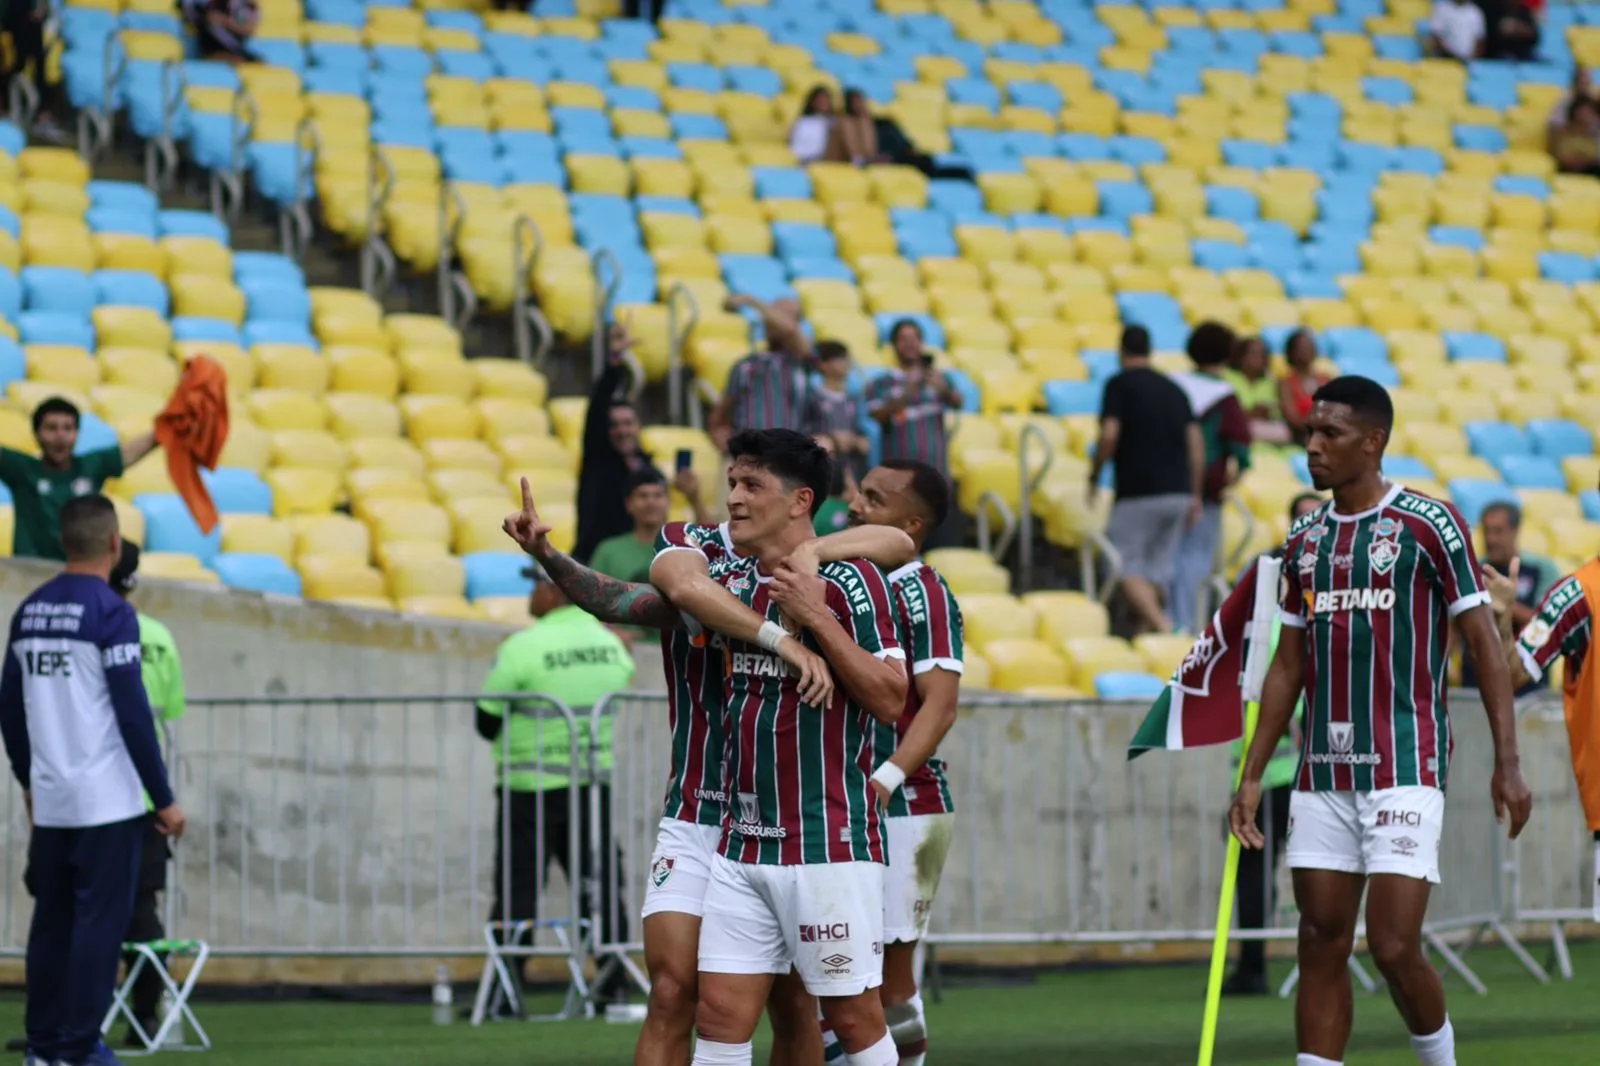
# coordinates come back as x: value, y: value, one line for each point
x: 612, y: 601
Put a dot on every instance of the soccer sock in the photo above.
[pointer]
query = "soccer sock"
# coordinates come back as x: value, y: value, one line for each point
x: 1314, y: 1060
x: 883, y: 1053
x: 909, y: 1029
x: 711, y: 1053
x: 1438, y: 1049
x: 832, y: 1050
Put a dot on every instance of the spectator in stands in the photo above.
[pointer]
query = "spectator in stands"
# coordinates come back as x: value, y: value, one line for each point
x: 1225, y: 431
x: 813, y: 138
x: 1582, y: 85
x: 832, y: 415
x: 571, y: 657
x: 1456, y: 30
x: 627, y: 556
x: 1513, y: 28
x: 1257, y: 389
x: 911, y: 401
x: 25, y: 21
x: 1501, y: 526
x: 223, y: 28
x: 1300, y: 382
x: 879, y: 139
x: 834, y: 514
x: 1257, y: 896
x: 1148, y: 431
x: 40, y: 486
x: 766, y: 390
x: 1575, y: 146
x: 611, y: 453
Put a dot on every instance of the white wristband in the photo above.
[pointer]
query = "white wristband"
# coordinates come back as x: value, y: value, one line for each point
x: 770, y: 635
x: 890, y: 776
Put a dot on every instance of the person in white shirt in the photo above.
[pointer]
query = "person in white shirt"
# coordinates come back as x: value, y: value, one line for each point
x: 1456, y: 30
x: 811, y: 136
x: 81, y: 739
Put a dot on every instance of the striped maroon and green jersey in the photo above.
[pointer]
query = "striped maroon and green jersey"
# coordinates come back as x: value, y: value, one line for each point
x: 768, y: 390
x: 1374, y: 594
x: 917, y: 432
x: 798, y: 777
x: 1562, y: 628
x: 931, y: 634
x: 694, y: 671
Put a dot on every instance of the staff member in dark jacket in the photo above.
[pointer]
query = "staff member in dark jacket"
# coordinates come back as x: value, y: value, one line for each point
x: 611, y: 454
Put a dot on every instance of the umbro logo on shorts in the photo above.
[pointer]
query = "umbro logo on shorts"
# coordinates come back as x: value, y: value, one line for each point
x: 1404, y: 846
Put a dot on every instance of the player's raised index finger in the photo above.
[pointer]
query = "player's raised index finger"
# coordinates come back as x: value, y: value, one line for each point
x: 527, y: 495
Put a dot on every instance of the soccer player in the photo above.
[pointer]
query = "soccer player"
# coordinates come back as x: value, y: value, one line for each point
x: 1372, y: 581
x: 911, y: 782
x: 799, y: 882
x: 1563, y: 629
x: 691, y: 822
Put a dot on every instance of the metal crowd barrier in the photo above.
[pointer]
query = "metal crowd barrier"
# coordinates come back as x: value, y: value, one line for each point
x: 365, y: 828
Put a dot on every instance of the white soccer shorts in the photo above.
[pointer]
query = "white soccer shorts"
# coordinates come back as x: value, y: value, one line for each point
x: 918, y: 847
x: 824, y: 920
x: 1390, y: 831
x: 680, y: 867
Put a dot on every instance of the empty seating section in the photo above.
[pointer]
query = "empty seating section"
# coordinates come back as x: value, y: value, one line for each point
x: 1272, y: 165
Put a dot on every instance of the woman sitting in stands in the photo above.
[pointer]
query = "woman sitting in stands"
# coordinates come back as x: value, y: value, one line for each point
x: 812, y: 137
x: 1257, y: 391
x: 866, y: 138
x: 1576, y: 143
x: 222, y: 28
x: 1301, y: 382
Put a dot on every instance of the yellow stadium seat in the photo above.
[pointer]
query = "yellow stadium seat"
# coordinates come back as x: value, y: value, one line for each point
x: 438, y: 575
x: 434, y: 417
x: 995, y: 617
x: 1064, y: 615
x: 258, y: 534
x: 207, y: 296
x: 312, y: 448
x: 1019, y: 664
x: 64, y: 365
x: 339, y: 577
x: 1091, y: 656
x: 367, y: 371
x: 456, y: 453
x: 286, y: 409
x: 303, y: 490
x: 175, y: 566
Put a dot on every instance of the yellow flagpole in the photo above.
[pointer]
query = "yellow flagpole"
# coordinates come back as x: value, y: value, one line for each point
x: 1219, y: 942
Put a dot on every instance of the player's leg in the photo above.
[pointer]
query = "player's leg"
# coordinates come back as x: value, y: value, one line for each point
x: 834, y: 914
x: 1326, y: 857
x: 1403, y: 827
x: 674, y: 900
x: 918, y: 847
x: 792, y: 1012
x: 742, y: 949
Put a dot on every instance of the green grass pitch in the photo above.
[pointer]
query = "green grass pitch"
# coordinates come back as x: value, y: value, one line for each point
x: 1128, y: 1016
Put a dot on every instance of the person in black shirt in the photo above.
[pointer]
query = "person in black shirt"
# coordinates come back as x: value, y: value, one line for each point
x: 611, y: 453
x: 1148, y: 430
x: 869, y: 139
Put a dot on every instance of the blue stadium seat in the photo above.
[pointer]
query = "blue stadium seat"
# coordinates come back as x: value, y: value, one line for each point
x: 263, y: 266
x: 131, y: 288
x: 1073, y: 397
x: 271, y: 300
x: 1472, y: 495
x: 236, y: 490
x: 169, y: 527
x: 1590, y: 499
x: 495, y: 574
x: 53, y: 327
x: 257, y: 573
x: 1355, y: 342
x: 1127, y: 685
x: 1491, y: 440
x: 177, y: 223
x: 1469, y: 346
x: 1407, y: 468
x: 1531, y: 472
x: 269, y: 331
x: 193, y: 328
x: 1557, y: 438
x: 1568, y: 268
x: 58, y: 289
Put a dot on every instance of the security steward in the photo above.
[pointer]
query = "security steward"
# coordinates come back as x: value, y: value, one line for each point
x: 572, y: 657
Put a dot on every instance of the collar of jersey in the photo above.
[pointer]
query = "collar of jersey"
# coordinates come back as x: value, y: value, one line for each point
x: 1395, y: 489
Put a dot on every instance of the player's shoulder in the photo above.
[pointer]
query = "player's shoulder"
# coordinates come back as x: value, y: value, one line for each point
x: 1309, y: 521
x: 917, y: 579
x: 1563, y: 595
x: 851, y: 569
x: 692, y: 535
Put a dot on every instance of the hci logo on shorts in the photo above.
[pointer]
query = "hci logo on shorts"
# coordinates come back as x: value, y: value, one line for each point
x: 1397, y: 818
x: 819, y: 934
x: 660, y: 870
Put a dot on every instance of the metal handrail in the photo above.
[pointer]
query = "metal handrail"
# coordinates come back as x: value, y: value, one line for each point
x: 94, y: 123
x: 1102, y: 546
x: 676, y: 338
x: 1030, y: 432
x: 161, y: 151
x: 546, y: 336
x: 527, y: 245
x: 605, y: 292
x: 294, y: 221
x: 380, y: 183
x: 449, y: 233
x: 241, y: 134
x: 706, y: 396
x: 987, y: 542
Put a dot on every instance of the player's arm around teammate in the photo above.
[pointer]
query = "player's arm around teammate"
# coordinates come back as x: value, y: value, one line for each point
x: 878, y: 684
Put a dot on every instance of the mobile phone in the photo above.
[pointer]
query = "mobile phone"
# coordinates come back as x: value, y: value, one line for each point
x: 685, y: 459
x: 927, y: 360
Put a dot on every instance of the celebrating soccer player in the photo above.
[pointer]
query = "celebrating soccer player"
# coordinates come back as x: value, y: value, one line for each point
x: 691, y: 821
x: 1372, y: 580
x: 799, y: 883
x: 911, y: 782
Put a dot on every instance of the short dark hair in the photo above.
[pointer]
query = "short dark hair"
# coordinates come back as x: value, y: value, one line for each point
x: 124, y: 577
x: 644, y: 475
x: 902, y: 323
x: 1366, y: 399
x: 1294, y: 504
x: 87, y: 523
x: 795, y: 458
x: 1135, y: 341
x: 1211, y: 344
x: 929, y: 486
x: 56, y: 405
x: 827, y: 351
x: 1512, y: 511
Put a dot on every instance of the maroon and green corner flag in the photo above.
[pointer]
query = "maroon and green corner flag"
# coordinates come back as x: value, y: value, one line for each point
x: 1203, y: 704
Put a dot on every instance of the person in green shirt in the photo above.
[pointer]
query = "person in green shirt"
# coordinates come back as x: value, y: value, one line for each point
x: 41, y: 484
x: 1258, y: 866
x: 627, y: 556
x: 570, y: 656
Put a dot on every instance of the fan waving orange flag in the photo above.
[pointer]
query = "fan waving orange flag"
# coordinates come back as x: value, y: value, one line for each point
x: 193, y: 429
